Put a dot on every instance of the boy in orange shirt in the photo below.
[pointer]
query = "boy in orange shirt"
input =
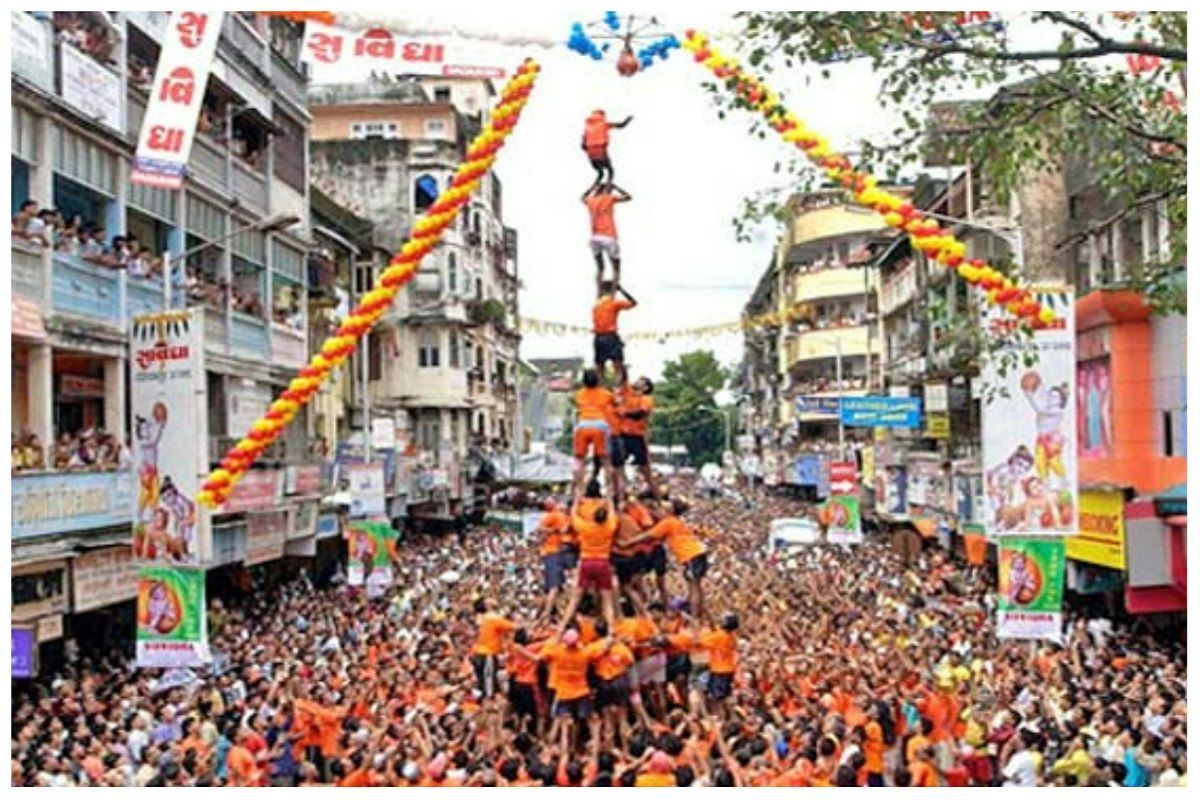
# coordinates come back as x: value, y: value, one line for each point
x: 595, y: 142
x: 607, y: 345
x: 595, y: 521
x: 601, y: 200
x: 489, y: 643
x: 721, y: 646
x: 593, y: 427
x: 554, y: 524
x: 686, y: 549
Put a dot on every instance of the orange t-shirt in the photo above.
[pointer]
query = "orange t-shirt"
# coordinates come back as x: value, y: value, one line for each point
x: 568, y: 670
x: 873, y: 748
x: 492, y: 629
x: 600, y: 207
x: 655, y: 779
x: 923, y: 774
x: 684, y: 546
x: 635, y: 630
x: 521, y: 669
x: 722, y: 651
x: 594, y: 404
x: 358, y: 778
x: 243, y: 769
x: 595, y: 134
x: 595, y: 540
x: 611, y: 660
x: 554, y: 525
x: 915, y: 745
x: 604, y: 313
x: 632, y: 401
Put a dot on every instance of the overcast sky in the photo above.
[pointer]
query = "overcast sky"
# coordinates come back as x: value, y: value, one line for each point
x: 687, y: 170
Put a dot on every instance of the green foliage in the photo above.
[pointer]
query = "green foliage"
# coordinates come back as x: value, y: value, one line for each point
x: 1076, y: 99
x: 686, y: 410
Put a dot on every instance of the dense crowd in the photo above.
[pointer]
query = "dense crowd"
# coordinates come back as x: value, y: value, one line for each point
x: 821, y: 666
x: 88, y: 449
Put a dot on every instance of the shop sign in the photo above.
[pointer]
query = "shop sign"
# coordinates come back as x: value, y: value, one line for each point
x: 1101, y: 536
x: 102, y: 578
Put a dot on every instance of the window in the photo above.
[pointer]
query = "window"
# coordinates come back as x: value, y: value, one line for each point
x: 452, y: 272
x: 428, y: 353
x: 435, y: 128
x: 425, y: 191
x: 429, y: 431
x: 479, y: 288
x: 1168, y: 434
x: 375, y: 358
x: 455, y: 354
x: 374, y: 130
x: 441, y: 94
x: 289, y: 151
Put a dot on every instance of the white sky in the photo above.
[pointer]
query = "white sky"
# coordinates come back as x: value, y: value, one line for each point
x: 687, y: 170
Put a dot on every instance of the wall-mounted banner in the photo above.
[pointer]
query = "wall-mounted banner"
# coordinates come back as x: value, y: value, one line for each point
x: 367, y: 489
x: 172, y: 628
x: 326, y: 46
x: 184, y: 61
x: 892, y: 489
x: 1029, y: 601
x: 1029, y: 433
x: 372, y: 549
x: 167, y: 375
x: 881, y: 412
x: 815, y: 404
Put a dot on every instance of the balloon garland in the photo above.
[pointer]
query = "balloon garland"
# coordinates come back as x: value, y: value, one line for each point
x: 925, y: 234
x: 425, y: 235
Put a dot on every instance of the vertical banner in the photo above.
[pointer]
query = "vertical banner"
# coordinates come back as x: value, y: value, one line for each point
x: 172, y: 627
x: 892, y: 491
x: 176, y: 96
x: 166, y: 374
x: 1029, y: 602
x: 372, y: 548
x: 1029, y: 431
x: 843, y: 513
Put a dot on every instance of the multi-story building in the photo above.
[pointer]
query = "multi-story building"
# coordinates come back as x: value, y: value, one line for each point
x: 233, y: 242
x: 386, y: 149
x: 759, y: 380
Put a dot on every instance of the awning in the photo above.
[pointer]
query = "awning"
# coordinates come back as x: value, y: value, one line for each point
x: 27, y: 320
x: 1172, y: 502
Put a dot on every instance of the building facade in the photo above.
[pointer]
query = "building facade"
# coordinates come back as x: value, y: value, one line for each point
x: 232, y: 244
x: 443, y: 360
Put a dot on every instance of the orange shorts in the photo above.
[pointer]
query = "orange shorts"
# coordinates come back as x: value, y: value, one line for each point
x: 595, y: 438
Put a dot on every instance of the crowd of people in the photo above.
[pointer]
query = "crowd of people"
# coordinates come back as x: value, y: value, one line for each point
x: 87, y: 449
x: 845, y: 668
x: 46, y: 227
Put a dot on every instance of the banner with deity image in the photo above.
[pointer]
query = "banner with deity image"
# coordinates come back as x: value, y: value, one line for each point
x: 843, y: 518
x: 1030, y: 462
x: 372, y: 549
x: 169, y: 429
x: 1029, y: 599
x: 172, y: 625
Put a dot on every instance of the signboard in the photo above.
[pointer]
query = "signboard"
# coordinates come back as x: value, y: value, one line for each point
x: 808, y: 469
x: 304, y: 479
x: 937, y: 425
x: 103, y: 577
x: 530, y: 522
x: 1101, y: 536
x: 48, y: 503
x: 246, y: 402
x: 93, y: 90
x: 1029, y: 601
x: 372, y: 548
x: 24, y: 652
x: 31, y: 50
x: 383, y: 433
x: 167, y: 380
x: 937, y: 398
x: 50, y: 628
x: 328, y: 526
x: 881, y: 412
x: 80, y: 386
x: 927, y: 483
x: 1029, y: 434
x: 172, y: 624
x: 843, y: 478
x: 892, y: 492
x: 258, y: 488
x: 367, y: 492
x: 843, y: 519
x: 184, y: 61
x: 814, y: 404
x: 303, y: 520
x: 868, y: 464
x: 265, y: 534
x: 378, y: 49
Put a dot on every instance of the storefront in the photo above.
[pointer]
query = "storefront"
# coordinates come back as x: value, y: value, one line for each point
x: 39, y: 602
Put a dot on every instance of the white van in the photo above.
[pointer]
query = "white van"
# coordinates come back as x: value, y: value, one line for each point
x: 788, y: 533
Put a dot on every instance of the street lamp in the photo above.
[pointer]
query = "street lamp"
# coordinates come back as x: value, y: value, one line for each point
x: 271, y: 224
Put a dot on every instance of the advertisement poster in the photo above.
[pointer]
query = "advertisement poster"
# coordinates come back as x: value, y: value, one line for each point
x: 336, y: 54
x: 1029, y: 442
x: 180, y: 78
x: 1029, y: 601
x: 893, y: 489
x: 968, y: 491
x: 1093, y: 401
x: 372, y: 548
x: 172, y: 628
x: 844, y: 520
x: 367, y: 489
x: 24, y: 652
x: 1101, y: 536
x: 926, y: 483
x: 166, y: 374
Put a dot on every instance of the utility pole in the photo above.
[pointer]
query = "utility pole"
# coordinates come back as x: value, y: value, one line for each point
x: 841, y: 394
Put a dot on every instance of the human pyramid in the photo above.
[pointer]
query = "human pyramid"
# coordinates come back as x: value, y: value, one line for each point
x: 643, y: 654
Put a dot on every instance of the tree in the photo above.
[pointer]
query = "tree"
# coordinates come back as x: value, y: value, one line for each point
x: 1112, y: 83
x: 686, y: 411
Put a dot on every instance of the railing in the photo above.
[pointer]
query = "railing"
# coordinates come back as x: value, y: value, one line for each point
x: 207, y: 162
x: 86, y: 290
x: 46, y: 503
x: 29, y: 273
x: 288, y: 346
x: 249, y: 186
x: 248, y: 336
x: 245, y: 40
x: 216, y: 334
x: 289, y: 81
x: 135, y: 112
x: 142, y: 296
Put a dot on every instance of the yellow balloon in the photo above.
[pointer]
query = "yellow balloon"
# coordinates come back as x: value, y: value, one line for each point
x: 893, y: 219
x: 1046, y: 315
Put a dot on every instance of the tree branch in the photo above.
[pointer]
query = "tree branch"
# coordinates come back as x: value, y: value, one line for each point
x: 936, y: 51
x: 1125, y: 125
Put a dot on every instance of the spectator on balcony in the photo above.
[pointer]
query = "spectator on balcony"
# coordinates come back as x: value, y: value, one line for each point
x: 63, y: 451
x: 140, y: 73
x: 117, y: 255
x: 24, y: 216
x: 140, y: 264
x: 91, y: 244
x: 67, y: 240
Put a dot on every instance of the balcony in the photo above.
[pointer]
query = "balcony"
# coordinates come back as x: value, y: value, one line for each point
x: 142, y: 296
x: 29, y: 273
x: 135, y: 112
x: 45, y: 503
x: 207, y: 162
x: 86, y: 290
x: 216, y: 333
x: 830, y: 283
x: 818, y: 344
x: 289, y: 81
x: 242, y: 40
x: 248, y: 336
x: 289, y: 347
x: 250, y: 187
